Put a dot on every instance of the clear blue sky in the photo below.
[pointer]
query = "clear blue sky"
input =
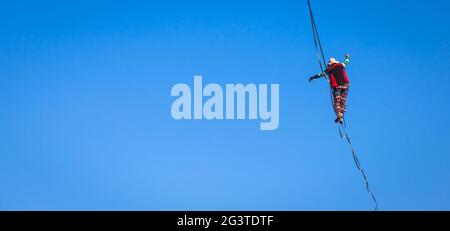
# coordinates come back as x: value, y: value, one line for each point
x: 85, y: 105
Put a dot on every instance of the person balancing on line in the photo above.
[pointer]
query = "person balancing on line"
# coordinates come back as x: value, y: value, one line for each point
x: 339, y: 83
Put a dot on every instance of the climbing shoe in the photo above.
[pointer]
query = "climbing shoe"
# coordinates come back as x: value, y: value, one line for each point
x: 340, y: 118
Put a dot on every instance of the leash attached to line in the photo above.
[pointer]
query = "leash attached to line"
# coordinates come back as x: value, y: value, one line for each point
x: 319, y: 49
x: 342, y: 131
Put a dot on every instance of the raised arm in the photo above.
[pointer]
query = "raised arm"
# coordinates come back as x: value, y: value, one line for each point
x: 347, y: 59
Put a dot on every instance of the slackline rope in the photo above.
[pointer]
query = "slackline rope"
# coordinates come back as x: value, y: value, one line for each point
x: 342, y: 131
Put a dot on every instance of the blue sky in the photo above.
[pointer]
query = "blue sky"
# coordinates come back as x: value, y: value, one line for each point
x: 85, y: 106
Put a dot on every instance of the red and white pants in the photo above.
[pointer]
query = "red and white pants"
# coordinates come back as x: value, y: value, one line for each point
x: 340, y: 98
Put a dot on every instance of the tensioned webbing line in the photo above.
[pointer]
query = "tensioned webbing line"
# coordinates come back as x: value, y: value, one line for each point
x: 342, y: 132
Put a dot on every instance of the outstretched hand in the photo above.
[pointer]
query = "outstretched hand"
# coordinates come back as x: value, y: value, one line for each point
x: 347, y: 56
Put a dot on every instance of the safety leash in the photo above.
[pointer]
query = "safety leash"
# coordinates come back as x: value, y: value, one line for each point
x: 319, y: 49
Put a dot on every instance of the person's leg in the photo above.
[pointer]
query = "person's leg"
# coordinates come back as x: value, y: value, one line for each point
x: 344, y: 93
x: 337, y: 103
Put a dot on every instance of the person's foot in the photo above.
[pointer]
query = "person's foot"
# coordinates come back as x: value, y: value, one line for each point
x: 340, y: 118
